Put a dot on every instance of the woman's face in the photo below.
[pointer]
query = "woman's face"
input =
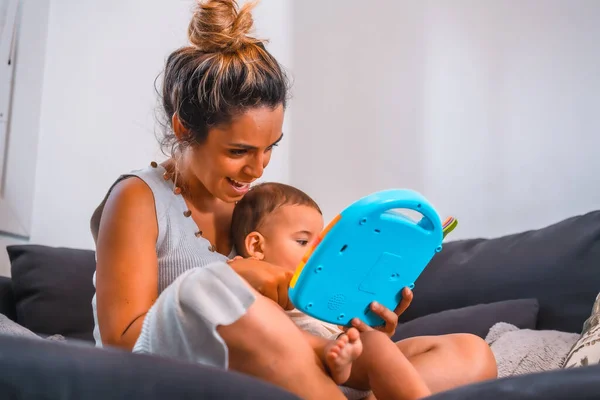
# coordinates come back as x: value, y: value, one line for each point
x: 235, y: 155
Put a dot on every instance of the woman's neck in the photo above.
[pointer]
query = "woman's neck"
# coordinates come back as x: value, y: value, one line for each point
x: 192, y: 189
x: 211, y: 215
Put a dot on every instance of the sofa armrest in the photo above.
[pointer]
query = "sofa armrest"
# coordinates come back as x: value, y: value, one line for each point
x: 7, y: 298
x: 562, y: 384
x: 61, y: 371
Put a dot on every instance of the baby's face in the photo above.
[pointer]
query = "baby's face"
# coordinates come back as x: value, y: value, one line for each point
x: 288, y: 232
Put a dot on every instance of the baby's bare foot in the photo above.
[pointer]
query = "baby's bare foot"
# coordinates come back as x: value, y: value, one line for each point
x: 340, y: 353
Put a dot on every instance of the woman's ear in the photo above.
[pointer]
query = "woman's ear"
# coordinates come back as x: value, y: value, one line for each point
x: 180, y: 131
x: 255, y: 245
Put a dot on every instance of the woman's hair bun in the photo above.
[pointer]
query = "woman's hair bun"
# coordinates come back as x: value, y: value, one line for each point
x: 220, y: 26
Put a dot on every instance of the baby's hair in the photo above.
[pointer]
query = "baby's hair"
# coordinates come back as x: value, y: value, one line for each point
x: 262, y: 200
x: 222, y: 73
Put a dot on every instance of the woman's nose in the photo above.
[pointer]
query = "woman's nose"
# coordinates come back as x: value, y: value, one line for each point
x: 257, y: 167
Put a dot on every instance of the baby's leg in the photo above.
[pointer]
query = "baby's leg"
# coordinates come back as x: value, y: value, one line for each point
x: 385, y: 370
x: 337, y: 355
x: 448, y: 361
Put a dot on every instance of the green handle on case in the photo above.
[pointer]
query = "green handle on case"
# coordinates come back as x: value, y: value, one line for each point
x: 448, y: 226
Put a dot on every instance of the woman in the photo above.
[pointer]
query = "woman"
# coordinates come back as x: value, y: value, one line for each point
x: 224, y: 98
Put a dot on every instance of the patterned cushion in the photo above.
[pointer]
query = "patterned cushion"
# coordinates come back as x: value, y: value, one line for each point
x: 587, y: 349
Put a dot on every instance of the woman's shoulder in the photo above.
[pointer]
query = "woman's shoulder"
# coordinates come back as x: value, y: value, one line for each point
x: 129, y: 193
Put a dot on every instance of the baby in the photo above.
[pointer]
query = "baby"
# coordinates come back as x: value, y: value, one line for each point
x: 276, y: 222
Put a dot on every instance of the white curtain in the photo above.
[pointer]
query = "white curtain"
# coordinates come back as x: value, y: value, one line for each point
x: 8, y: 17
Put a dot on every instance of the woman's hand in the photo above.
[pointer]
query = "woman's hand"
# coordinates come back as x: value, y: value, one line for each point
x: 390, y: 317
x: 267, y: 279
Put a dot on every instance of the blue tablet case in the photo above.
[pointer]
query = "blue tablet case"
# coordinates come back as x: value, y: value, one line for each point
x: 369, y: 252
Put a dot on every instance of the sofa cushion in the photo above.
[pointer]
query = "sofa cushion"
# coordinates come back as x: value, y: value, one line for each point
x: 561, y: 384
x: 559, y: 265
x: 477, y: 320
x: 53, y: 289
x: 7, y: 298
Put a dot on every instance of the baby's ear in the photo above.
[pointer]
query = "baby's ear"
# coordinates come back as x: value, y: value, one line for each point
x: 255, y: 244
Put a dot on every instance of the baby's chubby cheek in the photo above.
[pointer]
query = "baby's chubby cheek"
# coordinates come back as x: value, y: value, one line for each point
x: 281, y: 261
x: 293, y: 267
x: 291, y: 263
x: 295, y: 263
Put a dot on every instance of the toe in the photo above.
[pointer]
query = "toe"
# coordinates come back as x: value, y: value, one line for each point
x: 352, y: 334
x: 343, y: 339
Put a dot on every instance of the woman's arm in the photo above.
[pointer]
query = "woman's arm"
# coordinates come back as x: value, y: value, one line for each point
x: 127, y: 267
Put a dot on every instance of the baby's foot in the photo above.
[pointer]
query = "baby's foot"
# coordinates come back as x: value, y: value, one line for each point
x: 340, y: 353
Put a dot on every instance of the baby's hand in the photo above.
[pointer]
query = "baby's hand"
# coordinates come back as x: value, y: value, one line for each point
x: 390, y: 317
x: 241, y: 258
x: 267, y: 279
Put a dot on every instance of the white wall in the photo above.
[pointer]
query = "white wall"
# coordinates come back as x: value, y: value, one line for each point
x: 487, y: 108
x: 358, y: 94
x: 382, y: 96
x: 97, y: 118
x: 273, y: 21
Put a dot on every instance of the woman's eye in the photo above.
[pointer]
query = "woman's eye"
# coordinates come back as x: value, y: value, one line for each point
x: 271, y: 146
x: 302, y: 242
x: 237, y: 152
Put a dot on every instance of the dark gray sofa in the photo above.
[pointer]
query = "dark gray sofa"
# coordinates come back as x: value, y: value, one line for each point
x: 39, y: 369
x: 542, y: 279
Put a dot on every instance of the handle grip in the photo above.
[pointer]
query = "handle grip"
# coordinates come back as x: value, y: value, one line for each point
x: 381, y: 202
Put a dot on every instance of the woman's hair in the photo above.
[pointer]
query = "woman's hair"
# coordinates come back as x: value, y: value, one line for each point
x: 260, y: 202
x: 222, y: 73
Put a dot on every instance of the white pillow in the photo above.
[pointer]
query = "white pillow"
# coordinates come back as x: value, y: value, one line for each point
x: 10, y: 328
x: 525, y: 351
x: 586, y: 351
